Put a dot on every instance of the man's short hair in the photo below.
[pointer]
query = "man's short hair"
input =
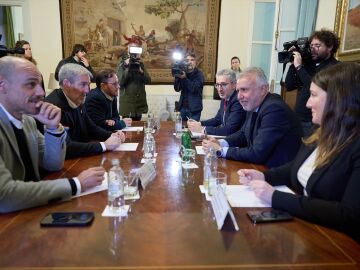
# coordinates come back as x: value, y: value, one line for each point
x: 191, y: 54
x: 227, y: 72
x: 103, y: 76
x: 259, y: 74
x: 328, y: 37
x: 71, y: 71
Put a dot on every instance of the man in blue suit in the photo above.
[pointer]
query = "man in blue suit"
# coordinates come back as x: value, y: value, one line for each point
x: 271, y: 134
x: 230, y: 116
x: 190, y: 84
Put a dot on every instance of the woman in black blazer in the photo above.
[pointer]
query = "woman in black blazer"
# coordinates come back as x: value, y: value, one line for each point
x: 325, y: 174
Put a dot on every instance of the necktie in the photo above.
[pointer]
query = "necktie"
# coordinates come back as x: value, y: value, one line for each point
x: 225, y: 107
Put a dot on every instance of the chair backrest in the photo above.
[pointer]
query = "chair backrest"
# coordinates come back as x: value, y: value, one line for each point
x: 289, y: 97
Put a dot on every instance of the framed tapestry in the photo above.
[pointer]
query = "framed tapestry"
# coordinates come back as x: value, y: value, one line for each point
x: 106, y: 27
x: 347, y: 27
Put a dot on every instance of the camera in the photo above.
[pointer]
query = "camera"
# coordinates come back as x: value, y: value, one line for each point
x: 302, y: 45
x: 4, y: 51
x: 134, y: 62
x: 180, y: 66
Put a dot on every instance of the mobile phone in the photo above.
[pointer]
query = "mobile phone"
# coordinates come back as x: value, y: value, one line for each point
x: 260, y: 216
x: 67, y: 219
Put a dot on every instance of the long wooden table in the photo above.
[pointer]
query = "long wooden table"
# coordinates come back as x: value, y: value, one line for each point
x: 170, y: 227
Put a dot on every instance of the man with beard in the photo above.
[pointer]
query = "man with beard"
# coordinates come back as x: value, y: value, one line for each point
x: 23, y: 149
x: 190, y: 84
x: 323, y: 45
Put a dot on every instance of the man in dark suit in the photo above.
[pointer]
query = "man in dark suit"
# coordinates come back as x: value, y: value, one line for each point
x: 101, y: 103
x: 74, y: 82
x: 271, y: 134
x: 230, y: 116
x: 190, y: 84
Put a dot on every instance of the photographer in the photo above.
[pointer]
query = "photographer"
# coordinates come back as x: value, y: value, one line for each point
x: 132, y: 77
x: 323, y: 46
x: 190, y: 83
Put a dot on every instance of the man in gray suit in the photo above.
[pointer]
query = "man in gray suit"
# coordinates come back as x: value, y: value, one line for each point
x: 23, y: 149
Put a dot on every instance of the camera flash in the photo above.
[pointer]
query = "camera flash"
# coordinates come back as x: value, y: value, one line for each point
x: 177, y: 56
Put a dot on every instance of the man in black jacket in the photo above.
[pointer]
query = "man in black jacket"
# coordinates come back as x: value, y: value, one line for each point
x: 324, y: 45
x: 271, y: 134
x: 101, y: 103
x: 74, y: 82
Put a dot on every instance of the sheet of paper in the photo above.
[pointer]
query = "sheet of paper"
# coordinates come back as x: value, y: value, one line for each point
x: 243, y: 196
x: 127, y: 147
x: 196, y: 135
x: 103, y: 186
x: 133, y: 129
x: 199, y: 150
x: 190, y: 166
x: 108, y: 213
x: 217, y: 136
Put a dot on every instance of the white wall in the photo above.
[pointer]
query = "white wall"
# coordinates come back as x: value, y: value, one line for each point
x: 326, y: 14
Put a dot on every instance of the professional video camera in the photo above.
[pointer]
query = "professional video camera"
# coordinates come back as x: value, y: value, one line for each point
x: 4, y: 51
x: 134, y: 62
x: 302, y: 45
x: 180, y: 66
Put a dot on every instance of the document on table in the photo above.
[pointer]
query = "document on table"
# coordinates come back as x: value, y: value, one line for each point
x: 127, y: 147
x: 196, y: 135
x: 103, y: 186
x: 199, y: 150
x: 133, y: 129
x: 243, y: 196
x: 217, y: 136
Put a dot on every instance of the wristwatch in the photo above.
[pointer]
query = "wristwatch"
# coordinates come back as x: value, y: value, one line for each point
x: 218, y: 153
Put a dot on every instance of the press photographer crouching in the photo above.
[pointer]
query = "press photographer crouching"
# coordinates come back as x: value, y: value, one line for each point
x: 189, y: 81
x: 132, y: 77
x: 308, y: 57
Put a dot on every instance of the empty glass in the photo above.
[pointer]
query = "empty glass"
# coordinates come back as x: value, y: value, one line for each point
x: 131, y: 183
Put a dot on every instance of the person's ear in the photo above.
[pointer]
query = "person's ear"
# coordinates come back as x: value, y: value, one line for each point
x: 66, y: 83
x: 3, y: 83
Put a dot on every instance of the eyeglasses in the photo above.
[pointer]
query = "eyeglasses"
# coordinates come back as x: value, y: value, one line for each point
x: 221, y: 85
x: 315, y: 46
x: 113, y: 83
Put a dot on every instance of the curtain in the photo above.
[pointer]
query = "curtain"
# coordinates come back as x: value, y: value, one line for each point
x: 8, y: 27
x: 307, y: 12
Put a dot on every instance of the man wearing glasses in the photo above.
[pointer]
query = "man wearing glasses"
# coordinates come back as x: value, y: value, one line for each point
x: 230, y: 115
x: 323, y: 45
x: 101, y: 103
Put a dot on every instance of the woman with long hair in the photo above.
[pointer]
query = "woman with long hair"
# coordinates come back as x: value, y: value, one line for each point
x: 27, y: 48
x: 325, y: 174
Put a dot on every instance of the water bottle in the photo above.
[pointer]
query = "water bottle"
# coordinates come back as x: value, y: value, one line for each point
x: 149, y: 146
x: 210, y: 171
x: 186, y: 139
x: 178, y: 125
x: 116, y: 200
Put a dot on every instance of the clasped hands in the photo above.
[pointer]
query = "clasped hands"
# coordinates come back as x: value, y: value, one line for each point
x: 256, y: 181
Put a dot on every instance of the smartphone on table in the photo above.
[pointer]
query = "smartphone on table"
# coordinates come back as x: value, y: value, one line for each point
x: 67, y: 219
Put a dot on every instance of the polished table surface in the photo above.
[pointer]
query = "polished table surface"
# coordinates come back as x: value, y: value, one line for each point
x: 170, y: 227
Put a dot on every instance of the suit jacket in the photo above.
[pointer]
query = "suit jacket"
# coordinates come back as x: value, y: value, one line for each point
x: 46, y: 151
x: 100, y: 108
x: 81, y: 129
x: 333, y: 190
x: 271, y: 136
x: 191, y: 89
x: 234, y: 118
